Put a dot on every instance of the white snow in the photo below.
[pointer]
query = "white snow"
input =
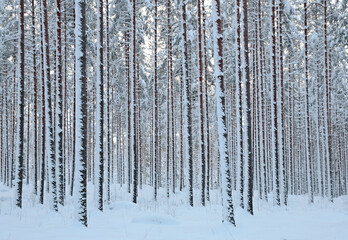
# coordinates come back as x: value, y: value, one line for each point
x: 173, y: 219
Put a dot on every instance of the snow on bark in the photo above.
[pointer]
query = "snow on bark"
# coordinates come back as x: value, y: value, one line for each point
x: 20, y: 109
x: 59, y: 103
x: 50, y: 140
x: 280, y: 103
x: 155, y: 111
x: 307, y: 125
x: 99, y: 166
x: 80, y: 194
x: 227, y: 203
x: 187, y: 106
x: 201, y: 105
x: 134, y: 104
x: 238, y: 105
x: 274, y: 135
x: 247, y: 145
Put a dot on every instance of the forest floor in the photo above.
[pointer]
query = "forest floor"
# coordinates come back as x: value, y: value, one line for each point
x: 172, y: 219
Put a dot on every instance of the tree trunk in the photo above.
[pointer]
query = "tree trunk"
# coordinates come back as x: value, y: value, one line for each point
x: 248, y: 156
x: 20, y: 114
x: 81, y: 111
x: 100, y: 106
x: 187, y: 108
x: 228, y: 213
x: 308, y: 140
x: 60, y: 144
x: 201, y: 105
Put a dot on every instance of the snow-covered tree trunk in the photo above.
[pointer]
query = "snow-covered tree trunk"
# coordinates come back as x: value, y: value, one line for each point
x: 239, y: 119
x: 59, y: 123
x: 201, y: 105
x: 227, y: 203
x: 80, y: 194
x: 20, y: 109
x: 327, y: 111
x: 280, y: 102
x: 108, y: 107
x: 73, y: 167
x: 187, y: 105
x: 50, y: 141
x: 260, y: 109
x: 134, y: 104
x: 181, y: 131
x: 247, y: 138
x: 308, y: 137
x: 2, y: 127
x: 100, y: 107
x: 155, y: 112
x: 172, y: 81
x: 129, y: 139
x: 317, y: 101
x: 206, y: 123
x: 274, y: 130
x: 43, y: 118
x: 35, y: 80
x: 170, y: 146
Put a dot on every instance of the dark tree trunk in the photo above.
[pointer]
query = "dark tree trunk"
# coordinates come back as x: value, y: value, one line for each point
x: 60, y: 105
x: 101, y: 107
x: 135, y: 154
x: 81, y: 110
x: 202, y: 144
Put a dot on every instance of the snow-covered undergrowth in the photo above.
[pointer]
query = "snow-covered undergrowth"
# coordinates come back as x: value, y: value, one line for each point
x: 172, y: 219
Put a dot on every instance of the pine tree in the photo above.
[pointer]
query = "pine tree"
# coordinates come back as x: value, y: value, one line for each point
x: 239, y: 101
x: 36, y: 103
x: 134, y: 105
x: 43, y: 116
x: 187, y: 103
x: 155, y: 118
x: 207, y: 135
x: 308, y: 138
x: 60, y: 143
x: 50, y: 141
x: 109, y: 113
x: 20, y: 141
x: 81, y: 112
x: 274, y: 107
x: 169, y: 89
x: 200, y: 63
x: 228, y: 212
x: 100, y: 107
x: 248, y: 154
x: 327, y: 110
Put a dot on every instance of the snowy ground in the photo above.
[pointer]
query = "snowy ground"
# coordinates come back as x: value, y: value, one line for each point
x: 173, y: 220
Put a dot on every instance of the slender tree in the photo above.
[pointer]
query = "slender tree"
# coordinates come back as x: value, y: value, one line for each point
x: 200, y: 63
x: 100, y: 106
x: 134, y: 105
x: 36, y: 103
x: 248, y: 153
x: 59, y: 80
x: 155, y: 118
x: 20, y: 141
x: 81, y: 111
x: 187, y: 104
x: 228, y: 212
x: 50, y: 141
x: 274, y: 109
x: 308, y: 139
